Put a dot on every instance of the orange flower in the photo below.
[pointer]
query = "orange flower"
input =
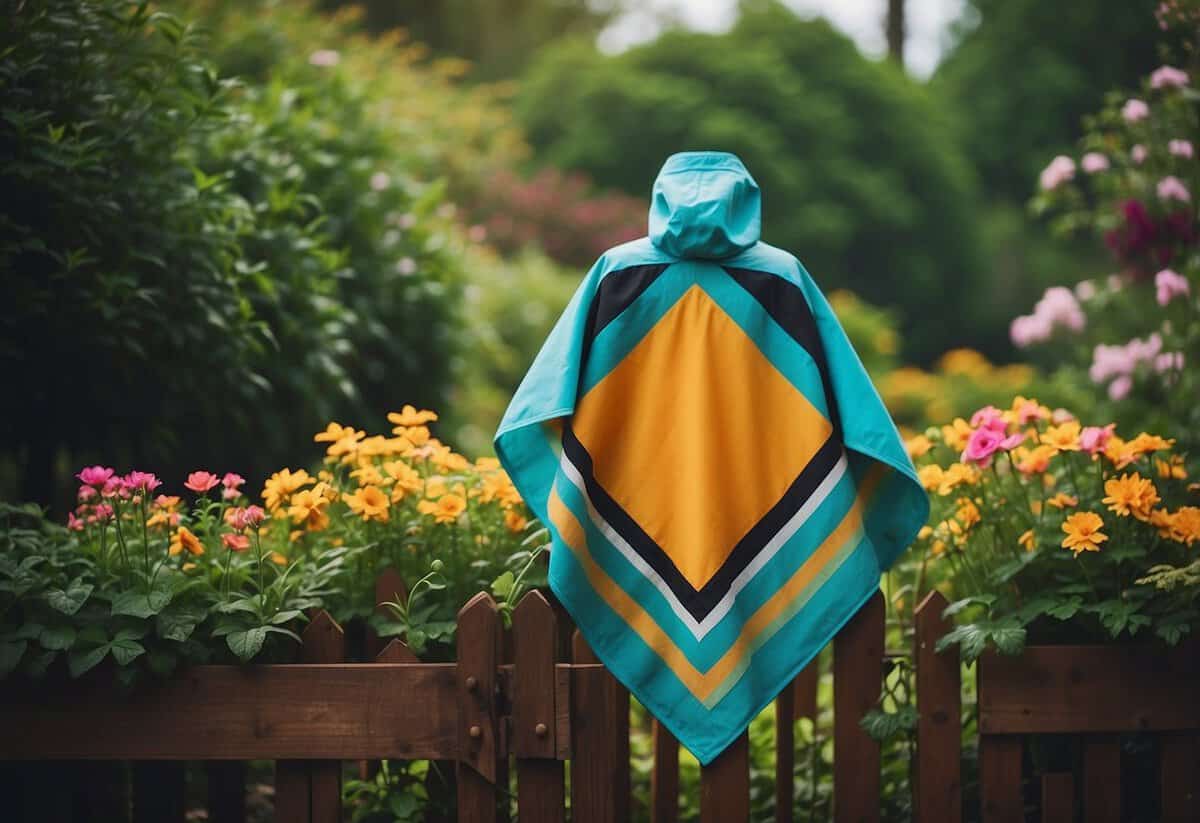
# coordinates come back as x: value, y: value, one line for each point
x: 514, y: 521
x: 445, y: 509
x: 1027, y: 540
x: 1062, y: 500
x: 184, y: 539
x: 1171, y: 468
x: 1035, y: 460
x: 1083, y: 532
x: 235, y: 542
x: 335, y: 432
x: 1063, y: 437
x: 1130, y: 494
x: 370, y: 502
x: 411, y: 416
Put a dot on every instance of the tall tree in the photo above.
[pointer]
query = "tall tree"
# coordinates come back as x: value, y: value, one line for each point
x: 895, y: 30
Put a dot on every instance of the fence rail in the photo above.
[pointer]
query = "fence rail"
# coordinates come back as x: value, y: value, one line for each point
x: 528, y: 699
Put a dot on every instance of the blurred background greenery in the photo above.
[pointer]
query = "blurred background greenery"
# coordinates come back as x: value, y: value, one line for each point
x: 224, y: 224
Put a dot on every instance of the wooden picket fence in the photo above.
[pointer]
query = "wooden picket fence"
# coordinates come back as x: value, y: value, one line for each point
x: 534, y: 698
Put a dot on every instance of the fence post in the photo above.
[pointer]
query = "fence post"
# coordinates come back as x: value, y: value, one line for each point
x: 664, y: 778
x: 1101, y: 779
x: 1058, y: 797
x: 389, y: 585
x: 857, y: 680
x: 937, y: 794
x: 1180, y: 777
x: 599, y: 744
x: 785, y: 751
x: 310, y: 791
x: 479, y: 748
x: 725, y: 785
x: 540, y: 791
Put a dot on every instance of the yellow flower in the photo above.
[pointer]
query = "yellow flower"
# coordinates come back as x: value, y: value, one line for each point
x: 1151, y: 442
x: 1063, y: 437
x: 1026, y: 410
x: 968, y: 512
x: 417, y: 435
x: 930, y: 476
x: 404, y: 477
x: 447, y: 460
x: 335, y: 432
x: 1083, y: 532
x: 1131, y: 494
x: 435, y: 487
x: 967, y: 362
x: 1026, y: 540
x: 957, y: 475
x: 445, y: 509
x: 1171, y: 468
x: 957, y: 434
x: 411, y: 416
x: 1035, y: 506
x: 281, y: 485
x: 346, y: 449
x: 368, y: 474
x: 515, y: 521
x: 187, y: 567
x: 487, y: 464
x: 1035, y: 460
x: 1062, y: 500
x: 308, y: 508
x: 370, y: 502
x: 184, y: 539
x: 924, y: 533
x: 937, y: 547
x: 497, y: 486
x: 918, y: 446
x: 1185, y: 524
x: 277, y: 558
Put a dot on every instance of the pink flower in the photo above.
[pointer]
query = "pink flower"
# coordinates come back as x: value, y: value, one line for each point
x: 1085, y: 290
x: 200, y: 482
x: 1060, y: 416
x: 231, y: 482
x: 94, y: 475
x: 235, y: 542
x: 324, y: 58
x: 86, y: 492
x: 103, y: 511
x: 1012, y: 441
x: 1180, y: 148
x: 74, y: 523
x: 981, y: 445
x: 1138, y: 153
x: 1029, y: 329
x: 1168, y: 361
x: 114, y: 487
x: 1094, y: 162
x: 380, y: 180
x: 1168, y: 285
x: 1134, y: 110
x: 989, y: 417
x: 1168, y: 77
x: 141, y: 481
x: 1119, y: 389
x: 1172, y: 188
x: 1093, y: 438
x: 254, y: 515
x: 1060, y: 170
x: 1028, y: 412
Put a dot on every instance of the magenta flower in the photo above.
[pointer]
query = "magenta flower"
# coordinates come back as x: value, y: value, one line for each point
x: 102, y: 512
x: 1180, y: 148
x: 989, y: 417
x: 1168, y: 285
x: 114, y: 487
x: 201, y: 482
x: 1094, y: 162
x: 1093, y: 438
x: 1138, y: 153
x: 86, y: 493
x: 1012, y: 441
x: 94, y: 475
x: 1172, y: 188
x: 74, y: 523
x: 981, y: 445
x: 1060, y: 170
x: 141, y: 481
x: 1135, y: 110
x: 1168, y: 361
x: 1166, y: 77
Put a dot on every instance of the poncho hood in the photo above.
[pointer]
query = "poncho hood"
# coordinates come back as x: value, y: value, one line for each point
x: 705, y: 206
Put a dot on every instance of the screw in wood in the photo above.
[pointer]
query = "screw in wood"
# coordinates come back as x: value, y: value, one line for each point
x: 472, y: 683
x: 475, y: 732
x: 540, y: 730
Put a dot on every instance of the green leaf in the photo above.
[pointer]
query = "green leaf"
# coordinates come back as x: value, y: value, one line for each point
x: 958, y: 605
x: 285, y: 616
x: 10, y: 655
x: 1172, y: 633
x: 246, y: 644
x: 57, y: 638
x: 178, y: 623
x: 1066, y: 610
x: 502, y: 586
x: 971, y: 640
x: 244, y: 604
x: 79, y: 661
x: 37, y: 664
x: 125, y: 651
x: 69, y: 601
x: 141, y: 604
x: 1009, y: 639
x: 883, y: 726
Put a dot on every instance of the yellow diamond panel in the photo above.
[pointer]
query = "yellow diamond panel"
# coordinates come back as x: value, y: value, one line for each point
x: 697, y: 435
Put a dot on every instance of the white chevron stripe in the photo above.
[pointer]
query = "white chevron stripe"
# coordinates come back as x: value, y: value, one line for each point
x: 700, y: 629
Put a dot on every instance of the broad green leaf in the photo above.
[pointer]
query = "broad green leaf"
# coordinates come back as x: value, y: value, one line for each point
x: 958, y: 605
x: 502, y: 586
x: 10, y: 655
x: 246, y: 644
x: 1009, y: 639
x: 125, y: 651
x: 80, y: 661
x: 1067, y: 609
x: 69, y: 601
x: 178, y: 623
x: 141, y: 604
x: 57, y: 638
x: 285, y: 616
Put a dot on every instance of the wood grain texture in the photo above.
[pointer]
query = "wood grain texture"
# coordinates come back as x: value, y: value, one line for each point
x: 389, y: 586
x: 240, y: 713
x: 1180, y: 778
x: 541, y: 793
x: 478, y: 747
x: 805, y: 687
x: 1077, y: 689
x: 664, y: 778
x: 1000, y: 790
x: 1102, y: 780
x: 725, y: 785
x: 857, y: 680
x: 599, y: 742
x: 937, y: 795
x: 1058, y: 797
x: 324, y: 642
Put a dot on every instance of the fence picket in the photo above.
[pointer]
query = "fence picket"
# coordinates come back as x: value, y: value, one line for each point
x: 937, y: 795
x: 805, y: 688
x: 1000, y: 778
x: 725, y: 785
x: 857, y: 675
x: 785, y: 752
x: 1058, y: 797
x: 479, y: 747
x: 1101, y: 779
x: 600, y: 742
x: 540, y: 790
x: 1180, y: 778
x: 226, y: 791
x: 664, y: 778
